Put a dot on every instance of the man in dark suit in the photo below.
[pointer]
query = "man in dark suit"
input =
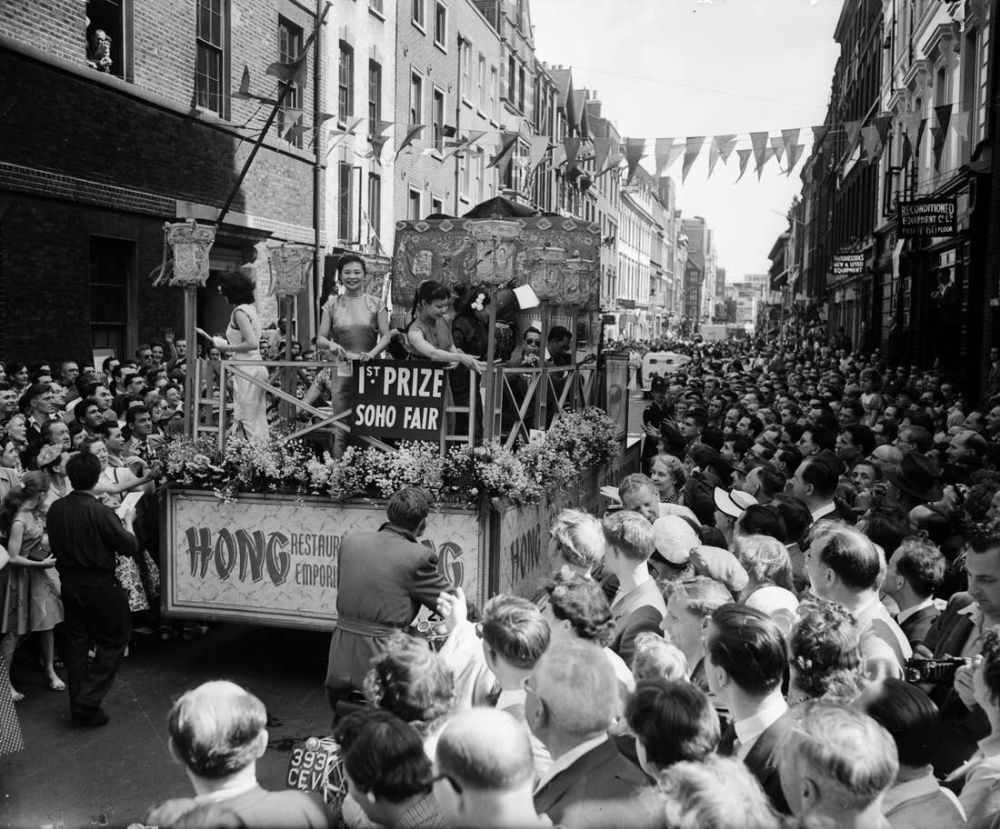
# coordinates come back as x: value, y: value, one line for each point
x: 85, y: 536
x: 385, y: 577
x: 745, y: 661
x: 915, y: 571
x: 572, y: 698
x: 958, y: 631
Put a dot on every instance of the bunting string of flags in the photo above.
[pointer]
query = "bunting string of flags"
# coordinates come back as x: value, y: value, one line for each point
x: 786, y: 146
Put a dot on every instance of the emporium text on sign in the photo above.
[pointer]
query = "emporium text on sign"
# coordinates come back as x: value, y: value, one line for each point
x: 400, y: 399
x: 921, y: 218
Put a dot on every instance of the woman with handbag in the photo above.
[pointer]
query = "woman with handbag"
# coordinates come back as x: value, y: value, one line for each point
x: 31, y: 603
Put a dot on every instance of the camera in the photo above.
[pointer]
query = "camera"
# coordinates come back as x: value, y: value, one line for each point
x: 941, y: 670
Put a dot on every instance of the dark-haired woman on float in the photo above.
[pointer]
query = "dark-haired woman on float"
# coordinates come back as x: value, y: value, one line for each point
x: 352, y: 326
x: 243, y: 342
x: 429, y: 336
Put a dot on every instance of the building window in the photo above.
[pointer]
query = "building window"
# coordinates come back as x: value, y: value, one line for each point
x: 345, y: 82
x: 441, y: 25
x: 465, y: 179
x: 374, y: 208
x: 481, y: 84
x: 438, y: 116
x: 494, y: 107
x: 413, y: 206
x: 511, y: 79
x: 374, y: 95
x: 345, y: 201
x: 465, y: 75
x: 289, y: 48
x: 210, y: 72
x: 416, y: 98
x: 520, y: 88
x: 417, y: 12
x: 109, y: 36
x: 437, y: 206
x: 112, y: 264
x: 376, y: 6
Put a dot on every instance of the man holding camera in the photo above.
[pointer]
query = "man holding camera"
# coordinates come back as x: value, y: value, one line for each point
x: 958, y: 632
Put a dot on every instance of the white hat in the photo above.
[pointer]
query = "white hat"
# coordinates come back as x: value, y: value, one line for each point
x: 733, y: 502
x: 674, y: 538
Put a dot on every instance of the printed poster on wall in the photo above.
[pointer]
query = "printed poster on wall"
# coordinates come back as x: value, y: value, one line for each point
x: 273, y: 560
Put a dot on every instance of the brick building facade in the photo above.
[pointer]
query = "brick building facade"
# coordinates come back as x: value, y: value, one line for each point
x: 94, y: 162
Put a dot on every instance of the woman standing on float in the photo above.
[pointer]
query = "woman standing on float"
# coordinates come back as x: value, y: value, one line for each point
x: 243, y: 342
x: 353, y: 326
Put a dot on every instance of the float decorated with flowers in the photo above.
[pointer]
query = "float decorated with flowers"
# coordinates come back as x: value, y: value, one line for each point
x: 251, y: 529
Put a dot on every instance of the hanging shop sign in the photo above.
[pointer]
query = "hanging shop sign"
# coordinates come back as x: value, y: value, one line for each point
x: 848, y: 264
x: 400, y: 399
x: 922, y: 218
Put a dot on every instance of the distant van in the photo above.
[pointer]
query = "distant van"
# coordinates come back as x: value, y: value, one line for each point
x: 661, y: 364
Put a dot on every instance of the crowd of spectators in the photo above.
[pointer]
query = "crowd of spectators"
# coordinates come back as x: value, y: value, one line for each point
x: 787, y: 618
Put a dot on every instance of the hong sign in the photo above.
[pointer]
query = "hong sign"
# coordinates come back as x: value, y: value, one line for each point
x: 921, y: 218
x: 848, y: 264
x: 400, y: 399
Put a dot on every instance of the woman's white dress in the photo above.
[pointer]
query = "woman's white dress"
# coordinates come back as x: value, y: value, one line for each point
x: 249, y: 400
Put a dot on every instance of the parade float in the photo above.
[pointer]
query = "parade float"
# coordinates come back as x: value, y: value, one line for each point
x: 251, y: 532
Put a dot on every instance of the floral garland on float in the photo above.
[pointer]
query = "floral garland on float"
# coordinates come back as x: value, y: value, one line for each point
x: 577, y: 441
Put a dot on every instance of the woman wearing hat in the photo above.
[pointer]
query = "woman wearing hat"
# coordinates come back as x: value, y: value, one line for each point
x: 31, y: 603
x: 243, y: 342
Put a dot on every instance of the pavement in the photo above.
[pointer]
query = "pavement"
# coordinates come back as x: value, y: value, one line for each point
x: 112, y: 775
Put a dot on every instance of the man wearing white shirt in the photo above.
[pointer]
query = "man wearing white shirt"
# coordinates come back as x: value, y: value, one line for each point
x: 843, y: 566
x: 745, y: 662
x: 572, y: 698
x: 217, y: 733
x: 815, y: 481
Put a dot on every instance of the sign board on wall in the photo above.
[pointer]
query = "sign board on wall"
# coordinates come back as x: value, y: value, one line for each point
x: 922, y: 218
x: 274, y: 560
x: 400, y: 399
x: 848, y: 264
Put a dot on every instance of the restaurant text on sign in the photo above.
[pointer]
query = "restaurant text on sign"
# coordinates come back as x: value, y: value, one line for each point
x: 400, y: 399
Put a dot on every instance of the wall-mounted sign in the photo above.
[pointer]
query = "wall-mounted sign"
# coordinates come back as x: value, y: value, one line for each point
x: 848, y: 264
x: 400, y: 399
x: 920, y: 218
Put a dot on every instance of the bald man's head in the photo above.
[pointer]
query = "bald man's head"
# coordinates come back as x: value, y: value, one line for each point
x: 485, y: 749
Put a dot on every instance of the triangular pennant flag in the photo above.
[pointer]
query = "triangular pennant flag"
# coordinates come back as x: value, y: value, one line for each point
x: 692, y: 146
x: 853, y: 130
x: 721, y: 147
x: 412, y: 132
x: 911, y: 123
x: 244, y: 90
x: 507, y: 141
x: 744, y: 156
x: 380, y: 127
x: 943, y: 114
x: 768, y: 154
x: 350, y: 129
x: 920, y: 136
x: 572, y: 147
x: 793, y: 155
x: 463, y: 143
x: 295, y: 132
x: 634, y: 151
x: 758, y: 140
x: 940, y: 134
x: 602, y: 146
x: 726, y: 145
x: 883, y: 123
x: 664, y: 153
x: 960, y: 124
x: 777, y: 147
x: 907, y: 153
x: 294, y: 71
x: 377, y: 142
x: 536, y: 154
x: 871, y: 142
x: 789, y: 138
x: 819, y: 134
